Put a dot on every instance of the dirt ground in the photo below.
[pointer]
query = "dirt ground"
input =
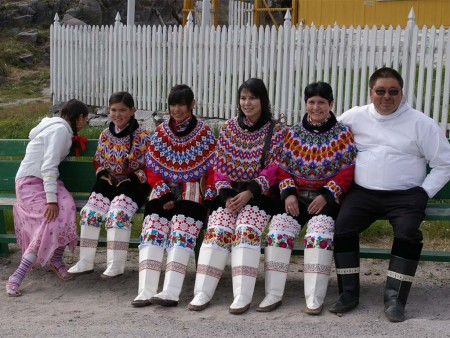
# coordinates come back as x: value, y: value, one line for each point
x: 90, y: 307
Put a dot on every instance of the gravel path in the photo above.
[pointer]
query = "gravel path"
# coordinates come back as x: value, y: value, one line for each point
x: 90, y: 307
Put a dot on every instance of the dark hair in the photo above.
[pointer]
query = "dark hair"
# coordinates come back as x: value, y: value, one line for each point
x: 181, y: 94
x: 257, y: 88
x: 127, y: 99
x: 384, y: 73
x: 122, y: 97
x: 72, y: 110
x: 319, y: 88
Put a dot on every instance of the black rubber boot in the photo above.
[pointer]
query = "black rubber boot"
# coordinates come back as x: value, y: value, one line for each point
x: 347, y: 268
x: 399, y: 278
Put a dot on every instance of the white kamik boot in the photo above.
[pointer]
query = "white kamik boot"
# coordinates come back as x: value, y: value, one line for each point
x: 276, y: 267
x: 244, y: 265
x: 118, y: 225
x: 88, y: 247
x: 277, y: 253
x: 92, y: 218
x: 155, y: 230
x: 150, y: 258
x: 245, y: 255
x: 210, y: 265
x: 181, y: 246
x: 213, y: 256
x: 116, y: 253
x: 317, y: 262
x: 177, y: 261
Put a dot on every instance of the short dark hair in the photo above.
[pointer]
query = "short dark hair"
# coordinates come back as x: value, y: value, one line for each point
x: 385, y: 73
x: 122, y: 97
x: 127, y: 99
x: 257, y: 88
x: 181, y: 94
x: 321, y: 89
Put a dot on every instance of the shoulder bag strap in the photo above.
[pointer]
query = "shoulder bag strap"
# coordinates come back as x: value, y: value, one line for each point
x: 267, y: 143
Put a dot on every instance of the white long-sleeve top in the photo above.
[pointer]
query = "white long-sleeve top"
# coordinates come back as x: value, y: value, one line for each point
x: 393, y: 150
x: 50, y: 143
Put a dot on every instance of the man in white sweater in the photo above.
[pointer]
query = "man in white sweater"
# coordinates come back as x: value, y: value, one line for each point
x: 394, y: 144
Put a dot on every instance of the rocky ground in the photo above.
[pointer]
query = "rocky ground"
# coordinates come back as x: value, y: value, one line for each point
x: 88, y: 306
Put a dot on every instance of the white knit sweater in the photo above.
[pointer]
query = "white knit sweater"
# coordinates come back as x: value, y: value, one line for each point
x: 393, y: 150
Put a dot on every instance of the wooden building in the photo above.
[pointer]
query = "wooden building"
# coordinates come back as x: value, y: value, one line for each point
x: 373, y: 12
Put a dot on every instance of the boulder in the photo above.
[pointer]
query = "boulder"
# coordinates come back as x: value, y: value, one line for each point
x: 27, y: 59
x: 55, y: 109
x: 28, y: 37
x: 22, y: 20
x: 91, y: 12
x: 69, y: 20
x: 99, y: 122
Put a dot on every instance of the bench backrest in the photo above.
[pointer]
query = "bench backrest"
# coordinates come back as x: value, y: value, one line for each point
x: 77, y: 173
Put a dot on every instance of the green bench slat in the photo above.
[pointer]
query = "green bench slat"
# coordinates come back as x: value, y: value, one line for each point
x: 16, y: 148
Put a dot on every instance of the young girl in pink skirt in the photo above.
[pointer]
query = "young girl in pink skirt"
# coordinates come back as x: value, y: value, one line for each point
x: 44, y: 214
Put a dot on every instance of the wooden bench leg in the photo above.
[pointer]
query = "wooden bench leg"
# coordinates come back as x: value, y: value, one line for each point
x: 4, y: 250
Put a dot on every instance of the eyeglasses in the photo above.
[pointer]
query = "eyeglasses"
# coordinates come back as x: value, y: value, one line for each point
x: 391, y: 92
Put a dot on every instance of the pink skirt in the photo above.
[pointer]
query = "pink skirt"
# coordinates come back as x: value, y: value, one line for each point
x: 33, y: 232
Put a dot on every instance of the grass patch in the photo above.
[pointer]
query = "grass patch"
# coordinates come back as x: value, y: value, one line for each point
x: 23, y: 84
x: 91, y: 132
x: 17, y: 121
x: 12, y: 49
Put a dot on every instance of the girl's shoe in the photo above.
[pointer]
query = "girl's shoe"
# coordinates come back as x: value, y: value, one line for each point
x: 60, y: 272
x: 10, y: 292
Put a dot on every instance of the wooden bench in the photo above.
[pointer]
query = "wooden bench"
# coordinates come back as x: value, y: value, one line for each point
x: 79, y: 176
x: 77, y: 173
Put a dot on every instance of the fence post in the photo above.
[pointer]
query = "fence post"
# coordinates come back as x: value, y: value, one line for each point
x: 54, y: 52
x: 206, y: 13
x: 116, y: 59
x: 130, y: 12
x: 286, y: 73
x: 407, y: 62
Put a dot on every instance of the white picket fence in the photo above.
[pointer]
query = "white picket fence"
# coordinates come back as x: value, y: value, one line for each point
x: 91, y: 62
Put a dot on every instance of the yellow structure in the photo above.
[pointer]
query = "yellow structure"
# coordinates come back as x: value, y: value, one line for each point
x: 350, y: 12
x: 373, y: 12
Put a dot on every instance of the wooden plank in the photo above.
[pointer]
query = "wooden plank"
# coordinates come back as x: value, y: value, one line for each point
x: 77, y: 176
x: 8, y: 170
x: 382, y: 253
x: 372, y: 253
x: 15, y: 148
x: 4, y: 250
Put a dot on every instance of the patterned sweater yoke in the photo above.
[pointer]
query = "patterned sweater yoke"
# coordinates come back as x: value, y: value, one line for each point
x: 316, y: 156
x: 239, y: 151
x: 181, y: 158
x: 113, y: 153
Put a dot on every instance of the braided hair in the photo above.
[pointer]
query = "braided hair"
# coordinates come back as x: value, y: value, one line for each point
x: 71, y: 111
x: 127, y: 99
